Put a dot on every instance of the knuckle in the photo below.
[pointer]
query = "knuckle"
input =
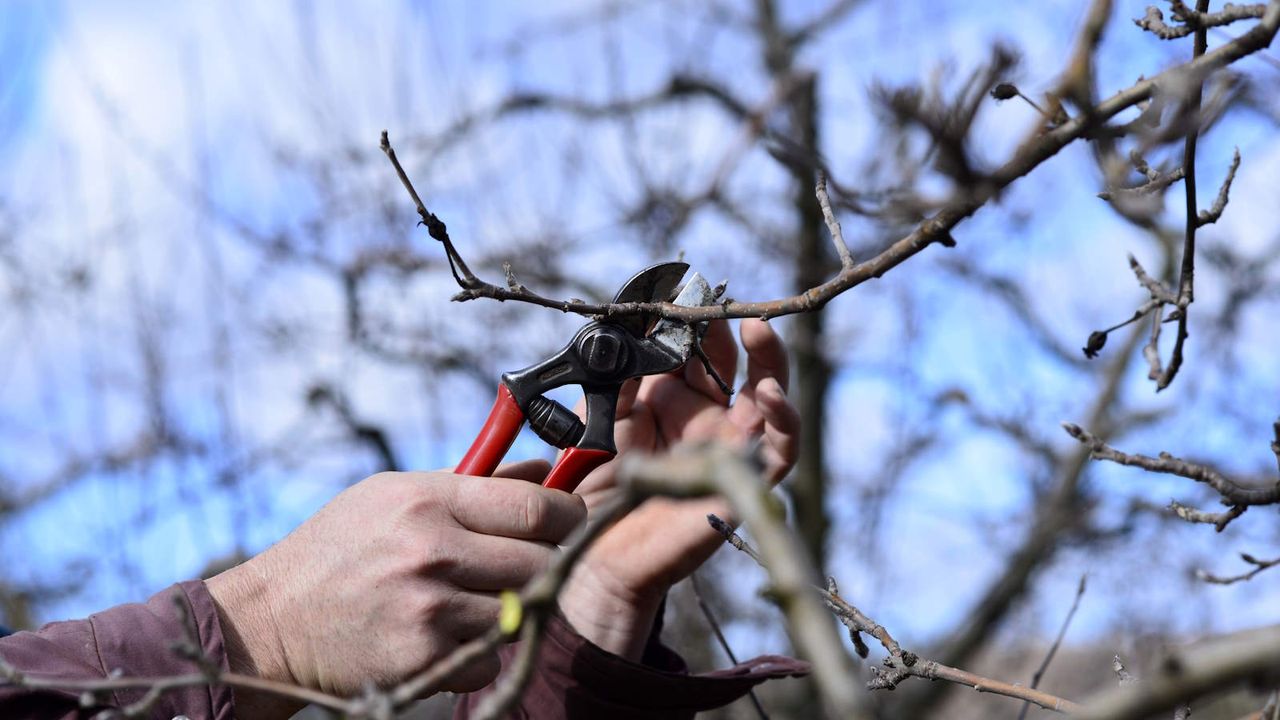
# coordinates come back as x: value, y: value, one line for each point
x: 431, y: 608
x: 534, y: 517
x: 439, y: 558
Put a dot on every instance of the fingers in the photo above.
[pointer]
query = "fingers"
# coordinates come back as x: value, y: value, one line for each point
x: 781, y: 429
x: 514, y: 508
x: 486, y: 563
x: 533, y: 470
x: 466, y: 616
x: 461, y: 615
x: 766, y: 355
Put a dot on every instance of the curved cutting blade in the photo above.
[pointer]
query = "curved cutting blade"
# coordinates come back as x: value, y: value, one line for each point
x: 656, y: 283
x: 678, y: 337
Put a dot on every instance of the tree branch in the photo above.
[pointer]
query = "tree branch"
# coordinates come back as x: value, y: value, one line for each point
x: 1258, y: 566
x: 935, y: 229
x: 1193, y: 20
x: 1189, y: 673
x: 1232, y: 492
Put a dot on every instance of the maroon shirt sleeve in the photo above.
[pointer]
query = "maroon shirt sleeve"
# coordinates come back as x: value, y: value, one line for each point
x: 134, y: 640
x: 574, y: 678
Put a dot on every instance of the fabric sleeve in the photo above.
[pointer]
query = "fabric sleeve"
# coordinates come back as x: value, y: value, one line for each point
x: 133, y: 640
x: 573, y: 678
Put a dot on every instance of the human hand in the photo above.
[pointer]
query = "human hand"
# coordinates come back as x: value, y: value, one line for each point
x: 390, y: 577
x: 616, y: 589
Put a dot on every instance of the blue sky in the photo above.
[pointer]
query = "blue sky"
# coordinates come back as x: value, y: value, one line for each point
x: 140, y: 137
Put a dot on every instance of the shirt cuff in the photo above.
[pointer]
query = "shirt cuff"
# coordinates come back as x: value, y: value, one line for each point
x: 137, y: 639
x: 574, y: 678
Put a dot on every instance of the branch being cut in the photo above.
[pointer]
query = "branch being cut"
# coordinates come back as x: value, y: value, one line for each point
x: 935, y: 229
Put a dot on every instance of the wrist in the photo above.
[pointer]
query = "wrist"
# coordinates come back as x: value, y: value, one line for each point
x: 252, y: 639
x: 613, y: 617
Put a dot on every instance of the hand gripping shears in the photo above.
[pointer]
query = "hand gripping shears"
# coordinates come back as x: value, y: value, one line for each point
x: 601, y: 356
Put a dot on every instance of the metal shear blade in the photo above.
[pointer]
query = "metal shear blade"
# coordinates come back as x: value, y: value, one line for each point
x: 679, y: 337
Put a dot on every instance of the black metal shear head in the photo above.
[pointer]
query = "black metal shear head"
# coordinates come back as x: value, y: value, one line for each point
x: 602, y: 355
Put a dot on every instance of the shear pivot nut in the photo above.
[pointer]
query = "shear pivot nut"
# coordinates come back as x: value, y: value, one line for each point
x: 603, y: 350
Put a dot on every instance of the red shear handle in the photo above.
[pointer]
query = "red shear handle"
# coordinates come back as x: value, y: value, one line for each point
x: 495, y: 438
x: 574, y: 465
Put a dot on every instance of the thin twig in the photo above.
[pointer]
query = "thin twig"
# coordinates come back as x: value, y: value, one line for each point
x: 1231, y: 491
x: 733, y: 538
x: 1186, y: 277
x: 737, y: 477
x: 714, y: 374
x: 1154, y: 23
x: 94, y: 686
x: 1053, y: 649
x: 1212, y: 666
x: 833, y: 225
x: 710, y: 617
x: 1258, y: 566
x: 1218, y: 520
x: 1210, y: 216
x: 902, y: 664
x: 1123, y: 675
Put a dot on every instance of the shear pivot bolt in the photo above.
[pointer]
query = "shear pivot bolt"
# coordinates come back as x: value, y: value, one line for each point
x: 603, y: 351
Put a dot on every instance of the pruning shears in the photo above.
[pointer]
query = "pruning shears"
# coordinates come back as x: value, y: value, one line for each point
x: 602, y: 355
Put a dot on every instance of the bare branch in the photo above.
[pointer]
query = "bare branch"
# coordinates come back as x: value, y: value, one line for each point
x: 1057, y: 642
x: 829, y: 16
x: 1125, y: 677
x: 1157, y: 181
x: 792, y: 576
x: 724, y: 642
x: 1210, y: 216
x: 1193, y: 20
x: 901, y: 664
x: 935, y: 229
x: 1258, y: 566
x: 1212, y: 666
x: 156, y: 687
x: 833, y: 225
x: 1218, y: 520
x: 733, y: 538
x: 1231, y: 491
